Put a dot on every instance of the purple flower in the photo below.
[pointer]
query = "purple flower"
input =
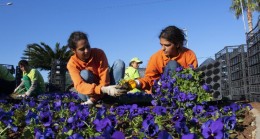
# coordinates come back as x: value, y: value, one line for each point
x: 101, y: 112
x: 181, y: 127
x: 176, y: 91
x: 164, y: 85
x: 197, y: 109
x: 206, y: 87
x: 159, y: 110
x: 235, y: 107
x: 73, y: 108
x: 182, y: 97
x: 226, y: 109
x: 178, y: 116
x: 191, y: 66
x: 189, y: 104
x: 83, y: 114
x: 183, y: 76
x: 101, y: 124
x: 150, y: 128
x: 46, y: 118
x: 38, y: 134
x: 247, y: 105
x: 189, y: 136
x: 194, y: 121
x: 211, y: 111
x: 164, y: 135
x: 148, y: 117
x: 158, y: 92
x: 32, y: 103
x: 71, y: 120
x: 170, y: 86
x: 191, y: 96
x: 76, y: 136
x: 118, y: 135
x: 57, y: 105
x: 135, y: 111
x: 57, y: 97
x: 172, y: 80
x: 43, y: 106
x: 189, y: 77
x: 113, y: 120
x: 121, y: 110
x: 179, y: 69
x: 154, y: 102
x: 229, y: 122
x: 49, y: 134
x: 31, y: 115
x: 212, y: 129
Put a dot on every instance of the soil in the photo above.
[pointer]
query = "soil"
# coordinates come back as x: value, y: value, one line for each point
x: 248, y: 130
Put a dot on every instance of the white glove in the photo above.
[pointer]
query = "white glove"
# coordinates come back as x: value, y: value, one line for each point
x: 88, y: 102
x: 15, y: 90
x: 24, y: 95
x: 113, y: 90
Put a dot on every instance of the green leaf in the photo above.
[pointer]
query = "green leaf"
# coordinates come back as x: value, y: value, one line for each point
x: 69, y: 132
x: 240, y: 120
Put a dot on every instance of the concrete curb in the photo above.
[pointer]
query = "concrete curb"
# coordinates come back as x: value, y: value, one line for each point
x: 256, y: 113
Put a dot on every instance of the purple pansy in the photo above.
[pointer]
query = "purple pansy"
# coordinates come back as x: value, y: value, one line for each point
x: 212, y: 129
x: 191, y: 96
x: 150, y: 128
x: 164, y: 135
x: 179, y: 69
x: 76, y: 136
x: 206, y: 87
x: 101, y: 124
x: 46, y: 118
x: 159, y: 110
x: 229, y: 122
x: 189, y: 136
x: 198, y: 109
x: 118, y: 135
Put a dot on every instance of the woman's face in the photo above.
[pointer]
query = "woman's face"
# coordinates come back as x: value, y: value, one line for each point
x: 82, y: 50
x: 135, y: 65
x: 22, y: 68
x: 169, y: 49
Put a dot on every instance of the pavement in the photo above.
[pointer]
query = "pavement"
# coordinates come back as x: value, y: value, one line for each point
x: 256, y: 113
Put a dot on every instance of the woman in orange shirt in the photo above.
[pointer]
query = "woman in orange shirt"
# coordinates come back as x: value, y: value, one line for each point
x: 89, y: 70
x: 173, y: 54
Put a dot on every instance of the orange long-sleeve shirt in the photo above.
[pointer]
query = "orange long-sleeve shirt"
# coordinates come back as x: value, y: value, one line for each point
x: 97, y: 64
x: 159, y: 60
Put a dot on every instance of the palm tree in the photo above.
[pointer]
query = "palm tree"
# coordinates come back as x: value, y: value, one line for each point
x: 42, y: 56
x: 249, y: 6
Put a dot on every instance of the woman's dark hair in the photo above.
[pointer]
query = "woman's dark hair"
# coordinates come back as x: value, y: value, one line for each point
x: 23, y: 63
x: 75, y: 37
x: 173, y: 35
x: 130, y: 64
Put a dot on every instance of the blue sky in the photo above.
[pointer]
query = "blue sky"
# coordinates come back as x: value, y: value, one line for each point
x: 122, y: 28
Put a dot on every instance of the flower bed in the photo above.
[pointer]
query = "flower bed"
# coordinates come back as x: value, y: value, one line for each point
x: 181, y: 108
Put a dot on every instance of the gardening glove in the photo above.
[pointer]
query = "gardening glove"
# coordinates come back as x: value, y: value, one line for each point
x: 27, y: 93
x: 113, y: 90
x: 130, y: 84
x: 15, y: 90
x: 24, y: 95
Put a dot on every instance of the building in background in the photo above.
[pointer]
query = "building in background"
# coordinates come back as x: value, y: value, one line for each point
x: 253, y: 53
x: 238, y: 73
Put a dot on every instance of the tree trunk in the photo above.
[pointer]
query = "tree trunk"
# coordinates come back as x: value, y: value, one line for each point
x: 249, y: 18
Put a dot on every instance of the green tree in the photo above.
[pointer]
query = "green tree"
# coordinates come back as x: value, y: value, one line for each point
x: 42, y: 56
x: 249, y: 6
